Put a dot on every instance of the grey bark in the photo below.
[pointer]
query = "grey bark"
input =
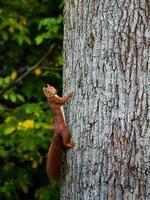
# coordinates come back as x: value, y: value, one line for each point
x: 106, y: 53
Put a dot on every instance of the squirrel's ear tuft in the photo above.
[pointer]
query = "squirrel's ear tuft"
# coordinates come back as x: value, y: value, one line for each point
x: 44, y: 90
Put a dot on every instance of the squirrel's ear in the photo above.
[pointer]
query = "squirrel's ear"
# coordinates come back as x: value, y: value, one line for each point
x: 44, y: 90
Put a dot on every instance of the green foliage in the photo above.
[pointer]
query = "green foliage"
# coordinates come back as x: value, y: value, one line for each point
x: 29, y: 29
x: 51, y: 28
x: 47, y: 194
x: 23, y: 146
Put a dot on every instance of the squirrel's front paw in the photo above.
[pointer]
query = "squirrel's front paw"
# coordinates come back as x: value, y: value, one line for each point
x: 71, y: 144
x: 70, y: 94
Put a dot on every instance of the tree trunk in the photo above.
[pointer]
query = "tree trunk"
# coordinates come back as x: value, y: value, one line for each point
x: 106, y: 53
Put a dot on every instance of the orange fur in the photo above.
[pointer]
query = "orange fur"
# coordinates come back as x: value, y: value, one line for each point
x: 62, y: 137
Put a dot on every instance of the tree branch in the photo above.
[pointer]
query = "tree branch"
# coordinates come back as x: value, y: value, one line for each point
x: 26, y: 73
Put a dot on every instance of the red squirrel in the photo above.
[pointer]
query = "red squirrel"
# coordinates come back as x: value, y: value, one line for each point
x: 61, y: 138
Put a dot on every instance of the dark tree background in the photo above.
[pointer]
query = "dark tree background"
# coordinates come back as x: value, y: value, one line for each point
x: 30, y: 57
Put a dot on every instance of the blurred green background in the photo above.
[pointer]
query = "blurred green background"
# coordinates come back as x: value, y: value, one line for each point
x: 30, y: 56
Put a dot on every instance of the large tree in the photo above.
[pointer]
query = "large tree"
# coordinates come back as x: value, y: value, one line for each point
x: 106, y: 53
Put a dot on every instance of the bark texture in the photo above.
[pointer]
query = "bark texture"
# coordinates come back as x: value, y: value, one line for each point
x: 106, y: 53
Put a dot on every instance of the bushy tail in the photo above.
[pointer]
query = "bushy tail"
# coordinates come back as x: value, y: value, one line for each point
x: 54, y: 160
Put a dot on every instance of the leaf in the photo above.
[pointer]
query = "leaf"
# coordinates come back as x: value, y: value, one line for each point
x: 46, y: 73
x: 55, y: 29
x: 20, y: 97
x: 9, y: 130
x: 27, y: 124
x: 23, y: 186
x: 13, y: 75
x: 7, y: 80
x: 34, y: 164
x: 27, y: 40
x: 20, y: 39
x: 39, y: 39
x: 32, y: 108
x: 5, y: 35
x: 13, y: 97
x: 6, y: 96
x: 10, y: 119
x: 28, y: 144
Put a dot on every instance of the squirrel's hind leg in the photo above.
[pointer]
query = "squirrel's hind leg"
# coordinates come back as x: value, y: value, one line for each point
x: 66, y: 138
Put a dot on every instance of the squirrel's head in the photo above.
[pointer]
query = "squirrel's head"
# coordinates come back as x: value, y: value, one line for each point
x: 49, y: 91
